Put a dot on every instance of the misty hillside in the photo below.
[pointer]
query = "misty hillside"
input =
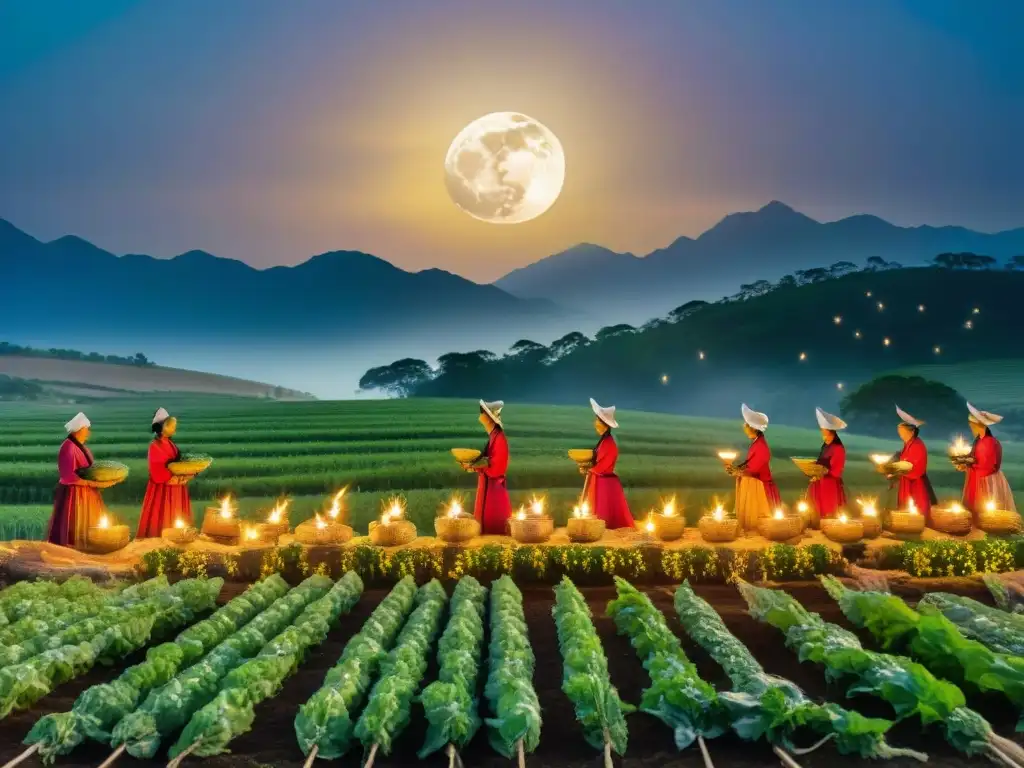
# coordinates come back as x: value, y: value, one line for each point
x: 764, y: 244
x: 750, y: 349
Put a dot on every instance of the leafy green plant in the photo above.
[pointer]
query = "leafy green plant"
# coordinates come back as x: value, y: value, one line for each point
x: 934, y: 640
x: 388, y: 710
x: 99, y: 708
x: 677, y: 696
x: 585, y: 678
x: 774, y: 708
x: 450, y: 703
x: 324, y: 725
x: 232, y: 711
x: 509, y: 689
x: 41, y: 598
x: 909, y: 687
x: 998, y: 630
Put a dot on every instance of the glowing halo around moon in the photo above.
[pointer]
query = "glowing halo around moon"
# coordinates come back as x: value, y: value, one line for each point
x: 505, y: 168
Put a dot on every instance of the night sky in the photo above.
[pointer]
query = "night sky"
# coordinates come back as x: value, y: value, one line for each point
x: 270, y: 131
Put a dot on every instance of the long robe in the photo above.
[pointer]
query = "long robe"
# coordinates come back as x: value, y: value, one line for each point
x: 493, y: 508
x: 163, y: 503
x: 76, y: 506
x: 985, y: 480
x: 605, y: 496
x: 757, y: 495
x: 915, y: 483
x: 828, y: 494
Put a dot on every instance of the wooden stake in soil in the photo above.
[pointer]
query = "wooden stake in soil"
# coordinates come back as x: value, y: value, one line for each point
x: 369, y: 759
x: 519, y: 751
x: 113, y: 756
x: 783, y: 755
x: 23, y: 756
x: 704, y: 752
x: 312, y: 758
x: 181, y: 758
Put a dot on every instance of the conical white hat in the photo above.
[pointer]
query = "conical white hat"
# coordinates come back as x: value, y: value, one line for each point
x: 607, y: 415
x: 493, y: 409
x: 81, y: 421
x: 161, y: 416
x: 753, y: 419
x: 907, y: 418
x: 828, y: 421
x: 985, y: 418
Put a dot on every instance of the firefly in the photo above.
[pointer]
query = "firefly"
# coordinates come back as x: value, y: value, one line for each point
x: 881, y: 306
x: 700, y: 355
x: 664, y: 378
x: 837, y: 319
x: 856, y: 334
x: 868, y: 294
x: 886, y: 341
x: 968, y: 325
x: 937, y: 350
x: 920, y: 307
x: 839, y: 385
x: 803, y: 355
x: 976, y: 311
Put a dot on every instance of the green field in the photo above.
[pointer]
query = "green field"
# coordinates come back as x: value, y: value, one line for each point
x: 306, y: 451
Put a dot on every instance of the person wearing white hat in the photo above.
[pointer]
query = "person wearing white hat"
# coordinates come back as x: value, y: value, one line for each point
x: 985, y: 481
x: 492, y: 508
x: 166, y: 500
x: 77, y: 503
x: 757, y: 495
x: 827, y: 494
x: 603, y: 488
x: 914, y: 484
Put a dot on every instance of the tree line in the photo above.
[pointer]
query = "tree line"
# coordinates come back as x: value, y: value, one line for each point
x: 14, y: 350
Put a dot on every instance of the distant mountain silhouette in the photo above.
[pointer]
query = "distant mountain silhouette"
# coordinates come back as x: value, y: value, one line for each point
x: 742, y: 247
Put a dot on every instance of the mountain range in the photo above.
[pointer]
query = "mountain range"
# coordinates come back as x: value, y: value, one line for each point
x: 741, y: 248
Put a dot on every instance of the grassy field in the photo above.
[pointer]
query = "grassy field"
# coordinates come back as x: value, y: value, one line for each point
x: 264, y: 450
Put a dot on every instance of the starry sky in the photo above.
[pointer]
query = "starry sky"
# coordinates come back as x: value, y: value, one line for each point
x: 269, y: 131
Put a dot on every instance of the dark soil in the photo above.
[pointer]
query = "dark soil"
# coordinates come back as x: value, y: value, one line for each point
x: 272, y: 742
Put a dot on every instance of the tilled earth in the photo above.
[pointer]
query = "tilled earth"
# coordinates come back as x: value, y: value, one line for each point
x: 272, y: 741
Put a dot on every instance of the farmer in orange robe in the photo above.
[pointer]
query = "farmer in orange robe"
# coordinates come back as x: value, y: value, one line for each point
x: 985, y: 480
x: 77, y: 503
x: 166, y: 497
x: 914, y: 484
x: 492, y: 508
x: 757, y: 495
x: 828, y: 494
x: 603, y: 487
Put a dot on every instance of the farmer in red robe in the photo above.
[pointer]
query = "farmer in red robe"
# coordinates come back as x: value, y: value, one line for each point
x: 757, y: 495
x: 166, y: 499
x: 828, y: 494
x: 492, y: 508
x: 985, y: 481
x: 603, y: 489
x: 77, y: 503
x: 914, y: 484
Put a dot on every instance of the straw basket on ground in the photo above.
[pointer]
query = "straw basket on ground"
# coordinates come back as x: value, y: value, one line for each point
x: 872, y: 525
x: 810, y: 467
x: 585, y: 530
x: 393, y: 533
x: 225, y: 530
x: 180, y: 536
x: 274, y: 531
x: 669, y: 527
x: 842, y: 531
x: 906, y: 522
x: 309, y: 532
x: 954, y: 520
x: 466, y: 455
x: 715, y: 530
x: 781, y: 528
x: 190, y: 464
x: 457, y: 529
x: 999, y: 521
x: 99, y: 540
x: 533, y: 529
x: 255, y: 534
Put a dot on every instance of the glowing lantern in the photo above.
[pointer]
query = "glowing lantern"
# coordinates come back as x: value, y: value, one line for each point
x: 104, y: 521
x: 778, y: 514
x: 179, y: 523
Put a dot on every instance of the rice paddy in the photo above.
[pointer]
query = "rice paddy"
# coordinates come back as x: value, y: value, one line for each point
x: 308, y: 450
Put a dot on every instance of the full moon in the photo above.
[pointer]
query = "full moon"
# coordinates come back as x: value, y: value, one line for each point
x: 505, y: 168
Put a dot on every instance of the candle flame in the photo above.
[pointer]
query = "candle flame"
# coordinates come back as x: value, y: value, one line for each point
x: 251, y: 533
x: 990, y: 506
x: 719, y: 513
x: 727, y: 455
x: 104, y: 521
x: 225, y: 507
x: 843, y: 518
x: 670, y: 508
x: 455, y: 508
x: 179, y: 523
x: 537, y: 506
x: 779, y: 514
x: 868, y: 507
x: 956, y: 508
x: 521, y: 514
x: 320, y: 522
x: 801, y: 506
x: 650, y: 525
x: 911, y: 507
x: 880, y: 458
x: 959, y: 447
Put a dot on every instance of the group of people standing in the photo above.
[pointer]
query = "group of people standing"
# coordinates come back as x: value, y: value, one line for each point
x: 78, y: 505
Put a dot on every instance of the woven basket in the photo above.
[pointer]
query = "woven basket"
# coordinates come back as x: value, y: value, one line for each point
x: 582, y: 455
x: 535, y: 529
x: 179, y: 536
x: 669, y: 527
x: 842, y: 532
x: 810, y: 467
x: 392, y: 534
x: 906, y: 522
x: 946, y: 520
x: 726, y: 529
x: 999, y: 521
x: 105, y: 472
x: 872, y: 525
x: 331, y: 533
x: 274, y: 531
x: 789, y: 527
x: 456, y: 530
x: 585, y: 530
x: 465, y: 455
x: 217, y: 527
x: 190, y: 464
x: 110, y: 539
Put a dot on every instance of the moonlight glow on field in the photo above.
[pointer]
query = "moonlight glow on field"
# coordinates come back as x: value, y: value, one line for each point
x: 505, y: 168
